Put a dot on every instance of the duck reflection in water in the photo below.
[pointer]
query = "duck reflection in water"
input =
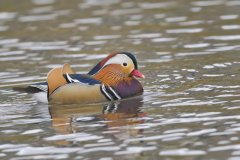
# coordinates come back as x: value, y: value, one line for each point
x: 118, y: 117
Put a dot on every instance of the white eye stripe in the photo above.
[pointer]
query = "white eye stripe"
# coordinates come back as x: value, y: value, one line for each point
x: 119, y: 59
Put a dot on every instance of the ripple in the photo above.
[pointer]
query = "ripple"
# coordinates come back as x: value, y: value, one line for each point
x: 74, y: 137
x: 207, y: 114
x: 233, y: 3
x: 194, y: 53
x: 182, y: 152
x: 185, y: 30
x: 147, y: 35
x: 7, y: 15
x: 40, y: 10
x: 33, y: 131
x: 15, y: 58
x: 55, y: 156
x: 134, y: 150
x: 176, y: 19
x: 213, y: 75
x: 159, y: 16
x: 222, y: 64
x: 68, y: 56
x: 12, y: 146
x: 158, y: 60
x: 229, y: 17
x: 224, y: 148
x: 157, y: 5
x: 100, y: 12
x: 199, y: 45
x: 132, y: 23
x: 208, y: 67
x: 8, y: 41
x: 2, y: 154
x: 224, y: 48
x: 201, y: 132
x: 200, y: 89
x: 227, y: 95
x: 43, y: 2
x: 119, y: 12
x: 153, y: 138
x: 175, y: 130
x: 222, y: 133
x: 163, y: 39
x: 224, y: 38
x: 3, y: 28
x: 97, y: 20
x: 223, y: 87
x: 193, y: 103
x: 89, y: 3
x: 191, y: 23
x: 103, y: 37
x: 231, y: 27
x: 95, y: 56
x: 208, y: 3
x: 20, y: 79
x: 57, y: 45
x: 45, y: 150
x: 193, y: 119
x: 92, y: 43
x: 67, y: 25
x: 29, y: 121
x: 11, y: 53
x: 98, y: 149
x: 136, y: 17
x: 44, y: 17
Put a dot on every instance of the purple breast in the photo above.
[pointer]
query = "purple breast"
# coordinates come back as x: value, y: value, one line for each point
x: 129, y: 89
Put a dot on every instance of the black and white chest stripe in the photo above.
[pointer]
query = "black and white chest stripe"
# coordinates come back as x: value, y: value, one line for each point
x: 109, y: 93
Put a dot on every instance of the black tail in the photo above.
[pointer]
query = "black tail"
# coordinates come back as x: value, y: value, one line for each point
x: 33, y: 88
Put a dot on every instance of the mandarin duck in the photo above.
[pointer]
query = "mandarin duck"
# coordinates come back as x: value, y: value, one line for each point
x: 113, y: 78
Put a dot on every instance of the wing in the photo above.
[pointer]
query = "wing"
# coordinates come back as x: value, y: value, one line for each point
x: 79, y: 78
x: 77, y: 93
x: 107, y: 91
x: 65, y: 86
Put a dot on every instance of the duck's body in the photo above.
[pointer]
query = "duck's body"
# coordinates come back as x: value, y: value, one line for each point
x: 111, y: 79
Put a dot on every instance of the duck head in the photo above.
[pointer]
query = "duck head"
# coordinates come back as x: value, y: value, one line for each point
x: 117, y: 67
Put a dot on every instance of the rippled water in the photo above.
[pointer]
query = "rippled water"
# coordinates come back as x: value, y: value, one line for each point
x: 188, y: 50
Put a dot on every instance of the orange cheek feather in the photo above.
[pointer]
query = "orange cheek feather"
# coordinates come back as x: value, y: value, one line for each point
x: 112, y: 74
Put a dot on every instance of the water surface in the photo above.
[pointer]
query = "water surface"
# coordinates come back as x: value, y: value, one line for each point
x: 188, y: 51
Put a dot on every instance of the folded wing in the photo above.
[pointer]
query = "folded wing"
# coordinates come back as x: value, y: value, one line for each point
x: 65, y: 86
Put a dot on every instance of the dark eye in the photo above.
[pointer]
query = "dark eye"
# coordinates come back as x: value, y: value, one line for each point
x: 124, y: 64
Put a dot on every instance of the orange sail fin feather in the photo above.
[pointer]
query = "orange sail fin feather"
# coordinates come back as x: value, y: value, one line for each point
x: 55, y: 77
x: 67, y: 69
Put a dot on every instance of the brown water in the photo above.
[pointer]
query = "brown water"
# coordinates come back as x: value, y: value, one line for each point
x: 189, y: 51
